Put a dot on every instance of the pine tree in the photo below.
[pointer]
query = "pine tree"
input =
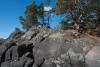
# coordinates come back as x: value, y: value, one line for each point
x: 64, y: 25
x: 31, y: 17
x: 41, y: 14
x: 48, y: 2
x: 48, y: 13
x: 25, y: 24
x: 80, y: 12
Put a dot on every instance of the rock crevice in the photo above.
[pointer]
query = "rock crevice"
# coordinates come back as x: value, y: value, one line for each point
x: 48, y: 48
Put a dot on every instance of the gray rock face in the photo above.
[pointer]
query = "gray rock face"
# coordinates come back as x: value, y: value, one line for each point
x: 2, y: 41
x: 93, y: 57
x: 47, y: 48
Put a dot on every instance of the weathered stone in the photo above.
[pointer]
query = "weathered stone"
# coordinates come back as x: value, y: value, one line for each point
x: 15, y: 36
x: 1, y: 41
x: 48, y: 63
x: 30, y: 34
x: 93, y: 57
x: 48, y: 48
x: 12, y: 54
x: 4, y: 48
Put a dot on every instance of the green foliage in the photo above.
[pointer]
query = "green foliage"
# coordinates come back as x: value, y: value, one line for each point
x: 30, y: 19
x: 47, y: 2
x: 62, y: 6
x: 82, y: 12
x: 85, y: 13
x: 31, y: 15
x: 90, y: 26
x: 17, y: 29
x: 41, y: 14
x: 34, y: 16
x: 64, y: 25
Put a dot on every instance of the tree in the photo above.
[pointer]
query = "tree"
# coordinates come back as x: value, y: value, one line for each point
x: 80, y: 12
x: 17, y: 29
x: 48, y: 2
x: 31, y: 19
x: 64, y: 25
x: 96, y: 9
x: 25, y: 24
x: 34, y: 17
x: 41, y: 14
x: 47, y: 14
x: 31, y: 15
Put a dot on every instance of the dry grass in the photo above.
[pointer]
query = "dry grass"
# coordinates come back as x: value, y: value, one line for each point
x: 71, y: 32
x: 41, y: 31
x: 57, y: 35
x: 91, y: 39
x: 34, y: 29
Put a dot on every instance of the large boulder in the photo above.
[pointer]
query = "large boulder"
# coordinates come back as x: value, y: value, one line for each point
x: 2, y: 41
x: 15, y: 36
x: 30, y: 34
x: 4, y: 48
x: 13, y: 55
x: 48, y: 48
x: 93, y: 57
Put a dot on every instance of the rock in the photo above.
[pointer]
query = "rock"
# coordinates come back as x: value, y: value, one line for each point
x: 34, y: 65
x: 93, y: 57
x: 28, y: 62
x: 18, y: 56
x: 24, y: 48
x: 12, y: 54
x: 30, y: 34
x: 37, y: 39
x: 47, y: 48
x: 2, y: 41
x: 4, y: 48
x: 76, y: 57
x: 23, y: 62
x: 39, y: 61
x: 15, y: 36
x: 5, y: 64
x: 48, y: 63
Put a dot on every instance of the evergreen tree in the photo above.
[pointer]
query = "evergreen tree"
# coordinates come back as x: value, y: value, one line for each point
x: 31, y: 17
x: 48, y: 2
x: 33, y: 14
x: 48, y: 13
x: 64, y: 25
x: 25, y: 24
x: 41, y: 14
x: 80, y: 11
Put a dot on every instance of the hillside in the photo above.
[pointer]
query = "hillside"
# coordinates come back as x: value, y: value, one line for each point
x: 49, y: 48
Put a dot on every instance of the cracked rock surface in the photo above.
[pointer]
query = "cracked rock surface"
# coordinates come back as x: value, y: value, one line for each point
x: 48, y: 48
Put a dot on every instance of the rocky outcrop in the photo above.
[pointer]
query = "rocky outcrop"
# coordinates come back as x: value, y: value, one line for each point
x: 2, y: 41
x: 93, y: 57
x: 48, y: 48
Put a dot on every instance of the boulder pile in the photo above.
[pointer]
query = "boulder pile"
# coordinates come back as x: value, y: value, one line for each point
x: 48, y: 48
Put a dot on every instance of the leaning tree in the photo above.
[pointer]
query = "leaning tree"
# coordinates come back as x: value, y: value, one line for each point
x: 80, y: 12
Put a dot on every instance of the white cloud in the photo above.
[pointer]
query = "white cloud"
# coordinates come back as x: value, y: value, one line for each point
x: 47, y: 8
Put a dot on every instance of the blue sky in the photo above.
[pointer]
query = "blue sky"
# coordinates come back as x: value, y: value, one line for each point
x: 10, y: 10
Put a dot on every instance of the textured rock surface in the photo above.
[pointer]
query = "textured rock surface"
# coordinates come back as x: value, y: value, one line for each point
x: 93, y: 57
x: 48, y: 48
x: 2, y: 41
